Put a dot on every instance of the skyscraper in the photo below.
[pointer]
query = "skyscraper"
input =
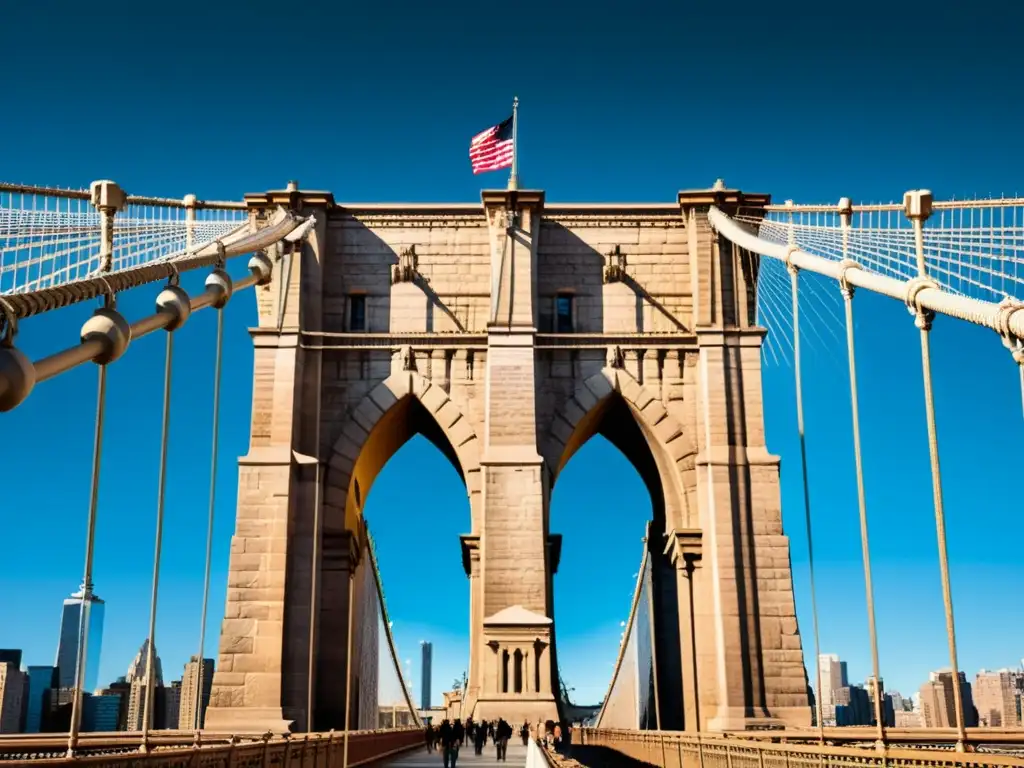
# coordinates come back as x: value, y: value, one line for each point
x: 198, y: 675
x: 67, y: 648
x: 40, y: 680
x: 428, y: 653
x: 833, y: 678
x: 995, y: 698
x: 136, y: 679
x: 12, y: 692
x: 137, y: 669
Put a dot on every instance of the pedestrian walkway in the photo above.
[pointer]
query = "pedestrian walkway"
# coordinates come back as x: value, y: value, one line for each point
x: 423, y: 759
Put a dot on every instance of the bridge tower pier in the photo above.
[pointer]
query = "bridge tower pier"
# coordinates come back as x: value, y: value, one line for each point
x: 745, y: 660
x: 513, y: 632
x: 508, y: 335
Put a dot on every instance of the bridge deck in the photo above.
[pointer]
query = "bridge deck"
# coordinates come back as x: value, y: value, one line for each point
x: 423, y: 759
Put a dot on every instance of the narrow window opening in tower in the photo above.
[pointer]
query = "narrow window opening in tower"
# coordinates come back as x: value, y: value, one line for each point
x: 518, y: 667
x: 357, y: 312
x: 563, y: 313
x: 504, y: 671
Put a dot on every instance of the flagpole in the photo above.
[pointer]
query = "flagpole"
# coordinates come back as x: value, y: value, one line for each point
x: 513, y: 179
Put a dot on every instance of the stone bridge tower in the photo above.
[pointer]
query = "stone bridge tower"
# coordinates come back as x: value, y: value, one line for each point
x: 508, y: 332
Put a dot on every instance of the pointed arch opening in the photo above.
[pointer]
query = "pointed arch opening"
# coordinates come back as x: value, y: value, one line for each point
x: 403, y: 464
x: 620, y: 465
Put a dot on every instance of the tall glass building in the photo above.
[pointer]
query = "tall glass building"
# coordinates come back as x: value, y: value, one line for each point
x: 40, y: 680
x: 67, y: 649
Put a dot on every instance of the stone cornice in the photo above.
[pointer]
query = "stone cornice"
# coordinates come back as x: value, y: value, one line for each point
x: 684, y: 546
x: 470, y: 551
x: 392, y: 341
x: 736, y: 455
x: 518, y: 198
x: 497, y: 336
x: 623, y: 340
x: 292, y: 199
x: 695, y: 198
x: 730, y: 337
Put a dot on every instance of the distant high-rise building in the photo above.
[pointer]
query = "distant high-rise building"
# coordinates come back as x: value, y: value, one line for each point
x: 938, y: 707
x: 900, y: 704
x: 137, y: 669
x: 100, y: 713
x: 995, y: 697
x: 888, y: 705
x: 122, y: 689
x: 428, y: 654
x: 57, y: 704
x: 136, y: 679
x: 40, y: 680
x: 11, y: 656
x: 67, y: 648
x: 136, y: 704
x: 12, y: 692
x: 198, y: 677
x: 852, y: 705
x: 171, y: 706
x: 833, y: 678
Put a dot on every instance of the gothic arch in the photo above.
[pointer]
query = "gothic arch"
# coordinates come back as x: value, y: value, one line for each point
x: 674, y: 453
x: 401, y: 406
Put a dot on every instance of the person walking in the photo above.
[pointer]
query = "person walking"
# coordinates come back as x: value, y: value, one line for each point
x: 502, y: 733
x: 449, y: 745
x: 480, y: 737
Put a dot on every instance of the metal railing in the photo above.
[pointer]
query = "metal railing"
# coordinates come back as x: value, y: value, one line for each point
x: 323, y: 750
x: 773, y: 749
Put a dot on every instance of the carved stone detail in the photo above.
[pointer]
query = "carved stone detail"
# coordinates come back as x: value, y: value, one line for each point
x: 405, y: 270
x: 615, y: 265
x: 615, y: 358
x: 408, y: 359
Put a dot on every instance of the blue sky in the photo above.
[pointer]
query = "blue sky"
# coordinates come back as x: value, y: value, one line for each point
x: 379, y: 104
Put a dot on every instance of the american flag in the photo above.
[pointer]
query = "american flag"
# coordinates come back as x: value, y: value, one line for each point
x: 492, y: 149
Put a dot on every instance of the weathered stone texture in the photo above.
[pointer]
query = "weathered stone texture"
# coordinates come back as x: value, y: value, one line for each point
x: 661, y: 357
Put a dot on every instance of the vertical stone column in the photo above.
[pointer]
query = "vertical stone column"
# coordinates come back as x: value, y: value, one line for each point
x: 477, y: 662
x: 684, y: 546
x: 748, y: 675
x: 260, y: 679
x: 339, y: 561
x: 513, y: 538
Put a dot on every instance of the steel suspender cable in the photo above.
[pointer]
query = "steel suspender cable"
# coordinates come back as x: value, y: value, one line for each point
x: 807, y: 497
x: 847, y: 291
x: 147, y: 712
x: 90, y: 538
x: 918, y: 206
x: 198, y: 717
x: 798, y: 386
